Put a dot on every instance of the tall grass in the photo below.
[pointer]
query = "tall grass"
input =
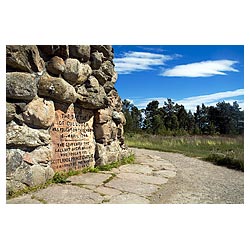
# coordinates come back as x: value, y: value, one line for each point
x: 225, y: 151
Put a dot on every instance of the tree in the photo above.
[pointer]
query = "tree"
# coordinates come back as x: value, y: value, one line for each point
x: 173, y: 118
x: 197, y: 119
x: 225, y: 120
x: 238, y: 117
x: 182, y: 116
x: 133, y: 117
x: 230, y: 119
x: 158, y: 125
x: 150, y: 112
x: 190, y: 122
x: 201, y: 119
x: 136, y: 119
x: 213, y: 115
x: 170, y: 118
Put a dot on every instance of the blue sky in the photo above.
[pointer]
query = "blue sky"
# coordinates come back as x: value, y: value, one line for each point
x: 188, y: 74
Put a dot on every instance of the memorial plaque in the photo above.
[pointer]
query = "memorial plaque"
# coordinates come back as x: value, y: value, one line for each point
x: 72, y: 137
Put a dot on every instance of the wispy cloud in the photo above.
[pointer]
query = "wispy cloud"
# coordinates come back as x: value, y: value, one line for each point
x: 138, y: 61
x: 190, y: 103
x: 201, y: 69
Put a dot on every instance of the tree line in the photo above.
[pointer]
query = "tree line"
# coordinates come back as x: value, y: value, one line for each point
x: 173, y: 119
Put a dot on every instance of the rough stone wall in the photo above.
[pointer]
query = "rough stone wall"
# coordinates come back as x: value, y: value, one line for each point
x: 62, y: 111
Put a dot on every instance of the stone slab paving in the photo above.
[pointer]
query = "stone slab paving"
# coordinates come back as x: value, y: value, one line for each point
x: 165, y: 173
x: 95, y: 179
x: 127, y: 184
x: 24, y: 199
x: 132, y: 186
x: 128, y: 199
x: 68, y: 194
x: 108, y: 191
x: 148, y: 179
x: 136, y: 168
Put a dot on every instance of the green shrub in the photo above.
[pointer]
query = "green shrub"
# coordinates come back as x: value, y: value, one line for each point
x: 225, y: 160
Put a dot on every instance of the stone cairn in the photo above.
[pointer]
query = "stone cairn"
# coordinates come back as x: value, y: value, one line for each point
x: 62, y: 112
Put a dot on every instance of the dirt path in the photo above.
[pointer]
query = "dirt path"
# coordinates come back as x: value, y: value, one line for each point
x: 197, y: 181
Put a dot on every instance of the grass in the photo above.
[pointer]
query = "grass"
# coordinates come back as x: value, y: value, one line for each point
x: 221, y: 150
x: 27, y: 190
x: 61, y: 177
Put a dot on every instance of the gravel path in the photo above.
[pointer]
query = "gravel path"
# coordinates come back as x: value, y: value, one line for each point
x: 198, y: 181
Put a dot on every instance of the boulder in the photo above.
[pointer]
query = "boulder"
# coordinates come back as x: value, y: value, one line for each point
x: 56, y: 65
x: 37, y: 175
x: 25, y: 137
x: 41, y: 155
x: 113, y: 151
x: 105, y: 132
x: 21, y: 86
x: 109, y: 48
x: 100, y: 155
x: 103, y: 115
x: 81, y: 52
x: 20, y: 107
x: 48, y: 51
x: 39, y: 113
x: 105, y: 49
x: 13, y: 186
x: 107, y: 154
x: 106, y: 74
x: 92, y: 85
x: 92, y: 100
x: 56, y: 89
x: 24, y: 58
x: 76, y: 72
x: 114, y: 131
x: 92, y: 95
x: 115, y: 100
x: 108, y: 86
x: 82, y: 92
x: 62, y: 51
x: 108, y: 68
x: 14, y: 159
x: 101, y: 76
x: 49, y: 173
x: 120, y: 131
x: 10, y: 111
x: 118, y: 117
x: 102, y: 132
x: 23, y: 174
x: 96, y: 60
x: 114, y: 77
x: 33, y: 175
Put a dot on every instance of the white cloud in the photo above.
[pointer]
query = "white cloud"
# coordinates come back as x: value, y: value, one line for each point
x: 130, y: 100
x: 143, y: 102
x: 209, y: 100
x: 190, y: 103
x: 137, y: 61
x: 201, y: 69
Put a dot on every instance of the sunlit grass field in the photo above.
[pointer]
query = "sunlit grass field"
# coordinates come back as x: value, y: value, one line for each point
x: 221, y: 150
